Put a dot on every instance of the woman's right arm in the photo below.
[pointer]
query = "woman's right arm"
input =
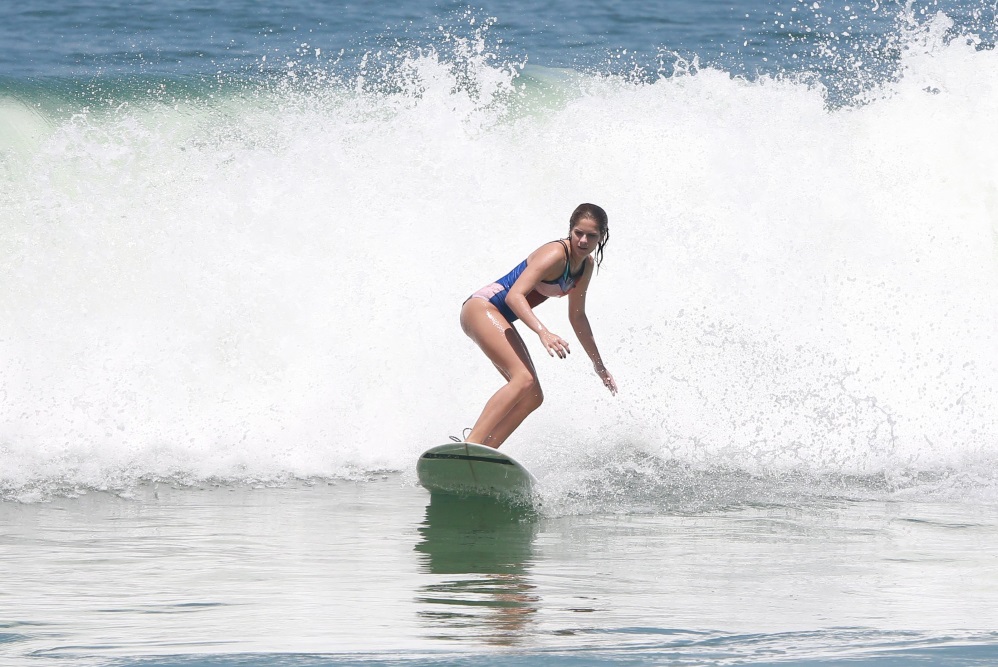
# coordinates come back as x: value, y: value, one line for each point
x: 539, y: 263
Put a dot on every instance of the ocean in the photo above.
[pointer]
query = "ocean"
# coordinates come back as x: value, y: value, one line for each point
x: 234, y: 242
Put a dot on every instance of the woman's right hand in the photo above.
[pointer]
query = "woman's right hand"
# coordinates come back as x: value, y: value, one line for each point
x: 554, y: 344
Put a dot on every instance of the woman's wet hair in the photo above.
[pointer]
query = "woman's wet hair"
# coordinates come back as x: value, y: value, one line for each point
x: 597, y: 215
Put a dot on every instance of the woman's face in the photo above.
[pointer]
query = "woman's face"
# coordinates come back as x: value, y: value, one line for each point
x: 585, y: 236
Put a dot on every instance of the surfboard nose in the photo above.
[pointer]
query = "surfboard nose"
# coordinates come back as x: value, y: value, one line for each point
x: 466, y: 468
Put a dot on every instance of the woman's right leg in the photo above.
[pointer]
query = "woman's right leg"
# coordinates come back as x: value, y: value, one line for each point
x: 521, y: 394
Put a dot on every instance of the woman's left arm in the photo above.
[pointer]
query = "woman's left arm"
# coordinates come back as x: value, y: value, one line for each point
x: 580, y: 324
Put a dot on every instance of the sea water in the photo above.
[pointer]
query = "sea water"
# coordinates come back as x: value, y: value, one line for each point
x: 234, y: 240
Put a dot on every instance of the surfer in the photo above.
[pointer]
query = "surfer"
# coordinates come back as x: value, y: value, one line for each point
x: 555, y: 269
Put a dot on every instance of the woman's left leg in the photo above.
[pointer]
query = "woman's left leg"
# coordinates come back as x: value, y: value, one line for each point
x: 502, y: 344
x: 509, y: 423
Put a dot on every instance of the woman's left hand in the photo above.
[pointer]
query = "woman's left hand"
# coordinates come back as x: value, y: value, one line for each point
x: 608, y: 381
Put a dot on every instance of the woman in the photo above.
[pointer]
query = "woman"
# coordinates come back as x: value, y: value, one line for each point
x: 555, y: 269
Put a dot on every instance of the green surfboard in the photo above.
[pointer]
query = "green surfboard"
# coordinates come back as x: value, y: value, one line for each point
x: 464, y: 468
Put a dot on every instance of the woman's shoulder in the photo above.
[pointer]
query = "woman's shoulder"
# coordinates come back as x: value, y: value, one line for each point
x: 550, y: 250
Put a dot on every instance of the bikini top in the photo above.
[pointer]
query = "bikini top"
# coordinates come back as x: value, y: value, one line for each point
x: 564, y: 284
x: 545, y: 288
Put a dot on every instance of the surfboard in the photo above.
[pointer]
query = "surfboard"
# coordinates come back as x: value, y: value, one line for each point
x: 464, y: 468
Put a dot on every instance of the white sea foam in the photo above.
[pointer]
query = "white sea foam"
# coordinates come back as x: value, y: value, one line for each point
x: 260, y: 284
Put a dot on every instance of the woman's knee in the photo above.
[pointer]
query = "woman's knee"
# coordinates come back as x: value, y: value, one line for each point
x: 536, y: 398
x: 528, y: 389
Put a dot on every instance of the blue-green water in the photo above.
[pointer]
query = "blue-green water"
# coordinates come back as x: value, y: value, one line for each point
x: 372, y: 573
x: 233, y: 243
x: 84, y: 39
